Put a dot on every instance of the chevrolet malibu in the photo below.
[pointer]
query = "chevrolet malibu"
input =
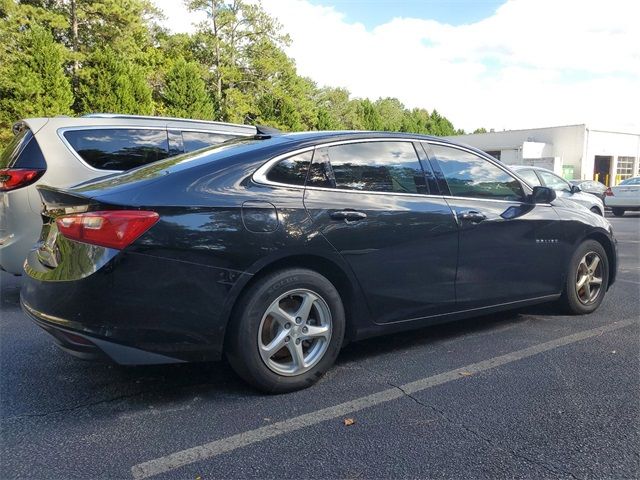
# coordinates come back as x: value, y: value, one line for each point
x: 274, y: 251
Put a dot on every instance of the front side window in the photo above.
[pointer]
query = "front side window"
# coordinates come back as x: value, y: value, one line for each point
x: 469, y: 175
x: 377, y: 167
x: 553, y: 181
x: 118, y: 148
x: 197, y: 140
x: 292, y: 170
x: 531, y: 177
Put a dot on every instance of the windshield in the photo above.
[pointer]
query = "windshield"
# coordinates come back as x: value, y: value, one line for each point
x: 631, y: 181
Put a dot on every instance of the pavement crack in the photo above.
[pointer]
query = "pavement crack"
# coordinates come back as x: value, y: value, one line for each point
x: 81, y: 406
x: 487, y: 440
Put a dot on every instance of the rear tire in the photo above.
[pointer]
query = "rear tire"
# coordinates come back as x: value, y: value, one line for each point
x: 286, y: 331
x: 587, y: 279
x: 618, y: 212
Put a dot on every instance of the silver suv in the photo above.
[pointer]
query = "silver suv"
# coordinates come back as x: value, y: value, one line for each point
x: 64, y: 151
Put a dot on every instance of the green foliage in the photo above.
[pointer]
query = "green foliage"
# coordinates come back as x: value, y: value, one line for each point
x: 33, y: 82
x: 110, y: 83
x: 185, y: 93
x: 480, y: 130
x: 78, y: 56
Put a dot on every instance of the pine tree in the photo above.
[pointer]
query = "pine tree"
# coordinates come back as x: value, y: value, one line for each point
x: 109, y: 83
x: 185, y: 93
x: 32, y: 79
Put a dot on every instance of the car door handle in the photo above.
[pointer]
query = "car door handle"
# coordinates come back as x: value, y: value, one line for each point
x: 348, y: 215
x: 472, y: 216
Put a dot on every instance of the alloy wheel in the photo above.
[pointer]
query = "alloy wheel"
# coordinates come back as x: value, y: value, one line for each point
x: 295, y: 332
x: 589, y: 278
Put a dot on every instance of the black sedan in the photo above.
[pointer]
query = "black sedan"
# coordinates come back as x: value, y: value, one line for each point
x: 275, y: 251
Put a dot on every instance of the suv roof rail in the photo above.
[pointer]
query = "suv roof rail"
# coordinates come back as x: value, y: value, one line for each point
x: 151, y: 117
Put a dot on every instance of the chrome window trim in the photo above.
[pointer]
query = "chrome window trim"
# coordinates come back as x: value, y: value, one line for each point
x: 260, y: 176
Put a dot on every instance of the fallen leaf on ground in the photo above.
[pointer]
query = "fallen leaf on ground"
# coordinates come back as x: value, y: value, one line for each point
x: 465, y: 374
x: 349, y: 421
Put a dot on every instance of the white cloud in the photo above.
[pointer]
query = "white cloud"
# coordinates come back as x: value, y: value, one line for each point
x: 533, y: 63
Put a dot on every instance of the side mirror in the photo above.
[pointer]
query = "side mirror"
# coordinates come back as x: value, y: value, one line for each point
x: 575, y: 189
x: 543, y: 195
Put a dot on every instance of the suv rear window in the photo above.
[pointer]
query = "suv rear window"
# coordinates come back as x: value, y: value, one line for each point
x: 119, y: 148
x: 197, y: 140
x: 23, y: 151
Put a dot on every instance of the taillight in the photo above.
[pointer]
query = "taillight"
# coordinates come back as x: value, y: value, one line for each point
x: 12, y: 178
x: 608, y: 192
x: 110, y: 228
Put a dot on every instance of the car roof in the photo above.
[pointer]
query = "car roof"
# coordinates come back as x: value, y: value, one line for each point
x: 304, y: 139
x: 530, y: 167
x: 116, y: 120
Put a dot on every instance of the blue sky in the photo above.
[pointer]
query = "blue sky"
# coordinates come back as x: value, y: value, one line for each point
x: 482, y: 63
x: 372, y: 13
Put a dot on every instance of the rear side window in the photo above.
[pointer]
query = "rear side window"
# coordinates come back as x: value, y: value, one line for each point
x: 118, y: 148
x: 377, y: 167
x: 469, y: 175
x: 531, y: 177
x: 197, y: 140
x: 23, y: 151
x: 292, y: 170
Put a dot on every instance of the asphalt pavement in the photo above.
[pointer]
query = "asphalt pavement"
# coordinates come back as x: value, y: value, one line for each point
x: 527, y: 394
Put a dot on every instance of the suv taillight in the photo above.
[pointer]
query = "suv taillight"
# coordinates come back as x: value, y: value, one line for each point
x: 111, y: 228
x: 13, y: 178
x: 608, y: 192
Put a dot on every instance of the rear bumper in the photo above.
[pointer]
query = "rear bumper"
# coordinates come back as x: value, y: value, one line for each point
x: 135, y: 310
x: 88, y: 347
x: 19, y: 231
x: 622, y: 202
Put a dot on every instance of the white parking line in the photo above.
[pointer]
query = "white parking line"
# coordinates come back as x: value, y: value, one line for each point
x: 218, y: 447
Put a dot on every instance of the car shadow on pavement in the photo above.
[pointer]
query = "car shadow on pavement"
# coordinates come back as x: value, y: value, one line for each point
x: 428, y: 335
x: 162, y: 385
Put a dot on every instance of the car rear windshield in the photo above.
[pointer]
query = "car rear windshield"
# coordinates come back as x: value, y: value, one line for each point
x: 119, y: 148
x: 23, y: 151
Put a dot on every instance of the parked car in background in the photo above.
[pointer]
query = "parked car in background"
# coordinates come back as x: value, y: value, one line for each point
x: 591, y: 186
x: 624, y: 197
x: 64, y: 151
x: 275, y: 251
x: 537, y: 176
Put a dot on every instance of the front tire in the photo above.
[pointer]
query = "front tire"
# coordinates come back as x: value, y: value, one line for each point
x: 618, y: 212
x: 587, y: 279
x: 287, y: 331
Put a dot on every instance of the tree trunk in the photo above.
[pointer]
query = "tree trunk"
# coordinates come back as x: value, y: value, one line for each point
x: 217, y: 60
x: 74, y: 47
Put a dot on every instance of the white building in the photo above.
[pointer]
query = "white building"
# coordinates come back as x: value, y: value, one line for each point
x: 573, y: 151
